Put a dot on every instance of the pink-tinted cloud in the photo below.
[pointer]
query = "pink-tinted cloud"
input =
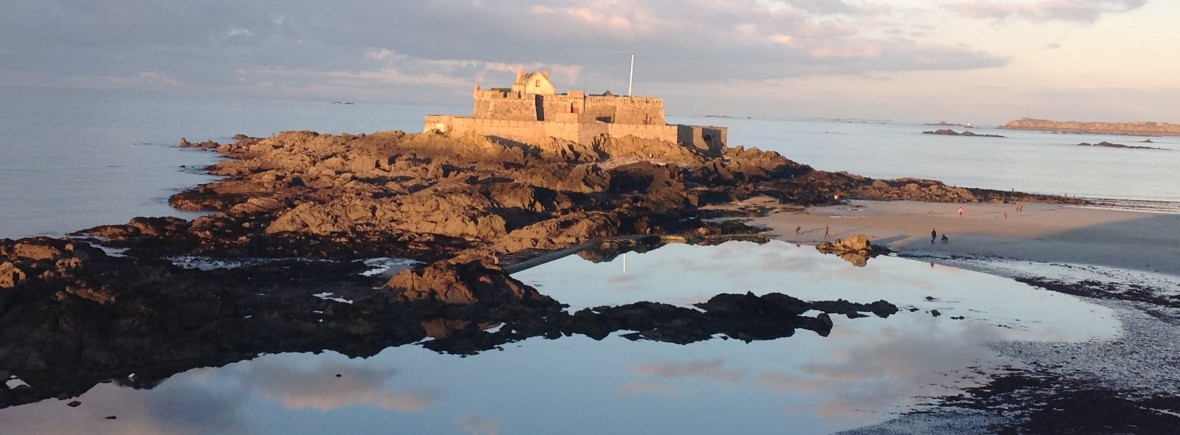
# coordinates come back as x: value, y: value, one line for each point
x: 321, y: 389
x: 1085, y: 11
x: 887, y: 370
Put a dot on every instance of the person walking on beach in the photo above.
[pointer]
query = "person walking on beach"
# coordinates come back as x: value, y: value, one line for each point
x: 933, y: 235
x: 960, y: 211
x: 826, y: 228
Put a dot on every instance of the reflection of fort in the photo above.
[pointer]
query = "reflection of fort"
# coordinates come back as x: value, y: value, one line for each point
x: 532, y: 111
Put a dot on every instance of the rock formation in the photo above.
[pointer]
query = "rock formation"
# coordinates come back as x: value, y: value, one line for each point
x: 856, y: 249
x: 72, y: 316
x: 1105, y: 144
x: 1138, y: 128
x: 949, y: 132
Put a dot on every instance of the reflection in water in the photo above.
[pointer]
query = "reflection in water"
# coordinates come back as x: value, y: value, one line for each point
x: 865, y: 370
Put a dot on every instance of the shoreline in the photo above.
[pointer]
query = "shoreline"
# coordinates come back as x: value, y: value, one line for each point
x: 1099, y: 254
x: 1044, y: 233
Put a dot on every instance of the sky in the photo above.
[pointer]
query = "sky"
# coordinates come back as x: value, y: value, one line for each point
x: 977, y: 61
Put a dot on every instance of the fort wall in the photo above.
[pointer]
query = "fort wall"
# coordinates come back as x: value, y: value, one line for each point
x: 507, y: 105
x: 539, y: 131
x: 519, y: 106
x: 625, y: 110
x: 706, y: 138
x: 531, y: 112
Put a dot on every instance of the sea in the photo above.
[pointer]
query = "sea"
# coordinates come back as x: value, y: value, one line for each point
x: 72, y: 159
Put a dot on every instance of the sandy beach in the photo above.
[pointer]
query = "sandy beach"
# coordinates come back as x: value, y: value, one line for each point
x: 1047, y: 233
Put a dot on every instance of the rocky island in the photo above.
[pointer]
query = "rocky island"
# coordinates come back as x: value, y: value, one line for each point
x: 949, y: 132
x: 313, y: 206
x: 1138, y: 128
x: 303, y: 212
x: 1105, y: 144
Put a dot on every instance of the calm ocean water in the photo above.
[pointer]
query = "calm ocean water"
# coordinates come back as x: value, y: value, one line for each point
x: 1034, y: 162
x: 73, y: 159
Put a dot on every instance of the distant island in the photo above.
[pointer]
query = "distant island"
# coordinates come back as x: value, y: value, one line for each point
x: 951, y: 124
x: 1105, y: 144
x: 949, y: 132
x: 1136, y: 128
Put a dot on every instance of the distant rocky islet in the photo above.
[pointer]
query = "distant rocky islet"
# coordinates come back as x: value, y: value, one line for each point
x: 1137, y: 128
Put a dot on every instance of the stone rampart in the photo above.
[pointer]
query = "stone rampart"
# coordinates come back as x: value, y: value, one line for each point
x: 531, y: 112
x: 539, y: 131
x: 509, y: 105
x: 625, y: 110
x: 703, y: 137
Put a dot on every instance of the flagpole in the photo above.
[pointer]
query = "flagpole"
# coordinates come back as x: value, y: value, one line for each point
x: 632, y: 76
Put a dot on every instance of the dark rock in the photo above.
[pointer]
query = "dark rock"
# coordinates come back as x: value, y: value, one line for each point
x: 457, y: 204
x: 1105, y: 144
x: 949, y: 132
x: 856, y: 249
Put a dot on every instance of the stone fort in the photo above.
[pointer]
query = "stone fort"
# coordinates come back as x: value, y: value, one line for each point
x: 531, y: 111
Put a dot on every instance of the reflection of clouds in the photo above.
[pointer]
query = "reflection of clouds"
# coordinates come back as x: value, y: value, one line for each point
x: 319, y: 388
x: 478, y: 425
x: 712, y: 369
x: 172, y: 408
x: 230, y: 399
x: 639, y: 387
x: 871, y: 373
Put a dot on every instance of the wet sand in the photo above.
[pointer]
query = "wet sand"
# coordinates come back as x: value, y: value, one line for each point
x: 1048, y: 233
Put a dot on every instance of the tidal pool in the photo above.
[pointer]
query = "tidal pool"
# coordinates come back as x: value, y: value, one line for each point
x: 867, y: 370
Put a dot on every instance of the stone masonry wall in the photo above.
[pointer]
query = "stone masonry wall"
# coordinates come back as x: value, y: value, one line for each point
x: 505, y: 105
x: 539, y: 131
x: 626, y: 110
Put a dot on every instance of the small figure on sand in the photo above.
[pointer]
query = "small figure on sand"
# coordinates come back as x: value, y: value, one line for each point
x: 1019, y: 206
x: 933, y: 235
x: 797, y: 229
x: 960, y: 211
x: 826, y: 229
x: 944, y: 239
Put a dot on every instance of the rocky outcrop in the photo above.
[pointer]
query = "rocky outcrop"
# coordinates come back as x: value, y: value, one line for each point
x: 949, y: 132
x: 88, y: 318
x: 1138, y: 128
x: 72, y: 316
x: 1105, y: 144
x: 475, y: 282
x: 856, y: 249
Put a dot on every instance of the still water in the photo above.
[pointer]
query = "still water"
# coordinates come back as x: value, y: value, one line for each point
x: 74, y: 159
x: 1026, y: 161
x: 867, y: 370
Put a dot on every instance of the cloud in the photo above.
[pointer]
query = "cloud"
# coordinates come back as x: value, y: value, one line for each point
x: 141, y: 80
x: 319, y: 388
x: 875, y: 372
x: 712, y: 369
x: 1084, y: 11
x: 449, y: 44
